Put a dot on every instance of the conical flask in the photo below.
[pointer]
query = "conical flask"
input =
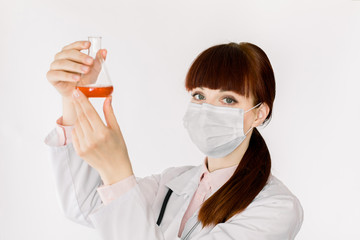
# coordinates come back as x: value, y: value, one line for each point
x: 96, y: 82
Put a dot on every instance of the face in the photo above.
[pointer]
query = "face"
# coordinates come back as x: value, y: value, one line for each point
x: 217, y: 97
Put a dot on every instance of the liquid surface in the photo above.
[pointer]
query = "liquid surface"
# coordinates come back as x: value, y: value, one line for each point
x: 96, y: 91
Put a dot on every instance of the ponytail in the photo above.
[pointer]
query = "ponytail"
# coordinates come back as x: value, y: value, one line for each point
x: 239, y: 191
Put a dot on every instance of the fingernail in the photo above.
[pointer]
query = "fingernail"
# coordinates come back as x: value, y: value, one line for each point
x: 86, y: 44
x: 104, y: 53
x: 76, y: 93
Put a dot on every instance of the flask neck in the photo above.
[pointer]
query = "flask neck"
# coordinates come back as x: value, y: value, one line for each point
x: 95, y: 46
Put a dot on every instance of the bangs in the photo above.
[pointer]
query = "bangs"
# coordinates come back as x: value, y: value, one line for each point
x: 225, y: 67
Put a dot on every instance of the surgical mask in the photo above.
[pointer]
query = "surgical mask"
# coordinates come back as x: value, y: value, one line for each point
x: 215, y: 130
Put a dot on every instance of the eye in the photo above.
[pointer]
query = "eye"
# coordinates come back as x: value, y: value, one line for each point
x: 232, y: 101
x: 200, y: 96
x: 228, y: 100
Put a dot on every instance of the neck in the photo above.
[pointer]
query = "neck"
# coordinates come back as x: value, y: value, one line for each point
x: 230, y: 160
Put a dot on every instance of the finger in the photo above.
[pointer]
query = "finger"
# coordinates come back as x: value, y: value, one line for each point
x: 74, y: 55
x: 99, y: 59
x: 109, y: 114
x: 89, y: 111
x: 57, y: 75
x: 78, y: 45
x: 67, y: 65
x: 86, y: 128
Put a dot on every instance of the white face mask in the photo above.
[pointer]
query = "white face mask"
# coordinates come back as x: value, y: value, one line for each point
x: 215, y: 130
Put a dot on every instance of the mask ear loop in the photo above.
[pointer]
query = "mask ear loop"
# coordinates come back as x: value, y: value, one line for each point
x: 248, y: 131
x: 250, y: 110
x: 254, y: 107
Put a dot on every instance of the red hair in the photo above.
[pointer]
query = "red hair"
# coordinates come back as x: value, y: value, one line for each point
x: 245, y: 69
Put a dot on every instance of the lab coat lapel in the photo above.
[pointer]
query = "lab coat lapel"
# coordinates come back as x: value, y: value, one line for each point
x: 184, y: 187
x: 191, y: 222
x: 186, y: 182
x: 191, y: 227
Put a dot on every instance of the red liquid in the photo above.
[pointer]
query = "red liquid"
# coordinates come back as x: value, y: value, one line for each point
x: 96, y: 91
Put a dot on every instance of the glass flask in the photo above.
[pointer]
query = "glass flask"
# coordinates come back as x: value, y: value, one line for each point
x: 96, y: 82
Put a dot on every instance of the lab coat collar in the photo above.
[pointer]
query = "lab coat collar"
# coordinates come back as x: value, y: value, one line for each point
x: 186, y: 182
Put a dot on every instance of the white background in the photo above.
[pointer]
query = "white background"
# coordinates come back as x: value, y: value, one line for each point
x: 314, y: 48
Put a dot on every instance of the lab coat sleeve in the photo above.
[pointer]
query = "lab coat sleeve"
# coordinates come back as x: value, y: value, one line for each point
x: 76, y: 182
x: 64, y: 131
x: 130, y: 216
x: 110, y: 192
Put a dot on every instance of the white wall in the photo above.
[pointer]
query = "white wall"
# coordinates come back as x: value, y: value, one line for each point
x: 314, y: 47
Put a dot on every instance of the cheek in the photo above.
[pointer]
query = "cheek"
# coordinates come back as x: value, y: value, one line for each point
x: 248, y: 121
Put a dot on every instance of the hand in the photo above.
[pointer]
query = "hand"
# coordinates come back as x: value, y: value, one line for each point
x: 102, y: 147
x: 68, y: 65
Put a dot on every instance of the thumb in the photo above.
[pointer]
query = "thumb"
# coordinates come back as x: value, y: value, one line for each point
x: 109, y: 114
x: 101, y: 55
x: 104, y: 54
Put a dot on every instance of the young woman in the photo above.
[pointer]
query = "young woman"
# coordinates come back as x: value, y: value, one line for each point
x: 231, y: 195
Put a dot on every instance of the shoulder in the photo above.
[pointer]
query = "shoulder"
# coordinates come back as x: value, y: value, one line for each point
x: 275, y: 188
x: 177, y: 170
x: 276, y: 209
x: 172, y: 172
x: 277, y: 195
x: 154, y: 184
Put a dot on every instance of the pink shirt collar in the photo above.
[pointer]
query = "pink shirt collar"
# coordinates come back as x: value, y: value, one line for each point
x: 218, y: 177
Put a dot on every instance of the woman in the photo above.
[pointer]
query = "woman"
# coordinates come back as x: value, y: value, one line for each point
x: 231, y: 195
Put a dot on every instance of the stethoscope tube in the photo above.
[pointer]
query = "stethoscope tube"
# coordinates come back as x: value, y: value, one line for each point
x: 162, y: 211
x: 163, y: 207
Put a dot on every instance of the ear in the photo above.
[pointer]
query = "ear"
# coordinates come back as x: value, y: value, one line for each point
x: 261, y: 113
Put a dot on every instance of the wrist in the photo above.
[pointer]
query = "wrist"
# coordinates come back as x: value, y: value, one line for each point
x: 69, y: 113
x: 114, y: 175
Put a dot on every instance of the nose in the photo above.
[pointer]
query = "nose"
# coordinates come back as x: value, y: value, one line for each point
x: 212, y: 98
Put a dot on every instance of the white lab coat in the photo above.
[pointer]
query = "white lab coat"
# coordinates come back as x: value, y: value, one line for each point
x: 274, y: 214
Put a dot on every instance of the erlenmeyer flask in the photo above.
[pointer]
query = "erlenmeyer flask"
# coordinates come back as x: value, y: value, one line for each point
x: 96, y: 83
